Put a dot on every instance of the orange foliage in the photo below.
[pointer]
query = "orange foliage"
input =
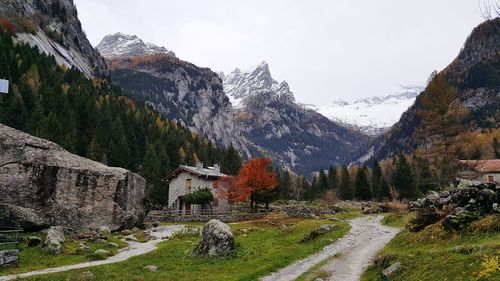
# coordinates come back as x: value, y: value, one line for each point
x: 7, y: 25
x: 253, y: 177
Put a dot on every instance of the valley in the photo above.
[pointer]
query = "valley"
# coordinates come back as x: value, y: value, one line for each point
x: 123, y: 158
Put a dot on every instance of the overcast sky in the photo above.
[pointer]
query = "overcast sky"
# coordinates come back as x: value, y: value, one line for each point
x: 325, y: 49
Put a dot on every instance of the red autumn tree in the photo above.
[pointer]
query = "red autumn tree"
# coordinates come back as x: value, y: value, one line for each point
x: 254, y: 178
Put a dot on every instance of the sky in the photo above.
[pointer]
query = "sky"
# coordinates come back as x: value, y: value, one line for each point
x: 325, y: 49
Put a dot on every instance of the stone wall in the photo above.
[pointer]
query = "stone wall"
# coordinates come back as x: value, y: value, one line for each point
x: 205, y: 218
x: 44, y: 185
x: 9, y: 257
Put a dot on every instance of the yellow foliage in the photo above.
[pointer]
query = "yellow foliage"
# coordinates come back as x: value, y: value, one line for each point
x: 182, y: 154
x: 490, y: 265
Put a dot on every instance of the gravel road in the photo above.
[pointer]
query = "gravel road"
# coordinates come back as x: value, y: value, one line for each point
x: 356, y: 249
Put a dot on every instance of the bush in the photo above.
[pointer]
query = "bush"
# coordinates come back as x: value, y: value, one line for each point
x: 7, y: 25
x: 199, y: 196
x: 486, y: 224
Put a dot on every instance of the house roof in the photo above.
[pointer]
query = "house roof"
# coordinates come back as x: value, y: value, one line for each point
x: 482, y: 166
x: 198, y: 171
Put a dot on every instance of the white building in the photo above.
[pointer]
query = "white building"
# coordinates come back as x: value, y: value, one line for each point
x: 187, y: 179
x: 480, y: 170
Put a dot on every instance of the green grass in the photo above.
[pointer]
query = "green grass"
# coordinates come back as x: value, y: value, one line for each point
x: 399, y: 220
x: 259, y: 252
x: 430, y: 254
x: 34, y: 258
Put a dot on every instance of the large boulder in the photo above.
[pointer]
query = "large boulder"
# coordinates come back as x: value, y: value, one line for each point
x: 44, y: 185
x: 217, y: 240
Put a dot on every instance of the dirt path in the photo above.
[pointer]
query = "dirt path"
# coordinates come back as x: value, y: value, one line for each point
x: 357, y: 249
x: 134, y: 249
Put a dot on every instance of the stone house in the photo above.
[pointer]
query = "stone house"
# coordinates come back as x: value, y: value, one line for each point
x: 186, y: 179
x: 480, y: 170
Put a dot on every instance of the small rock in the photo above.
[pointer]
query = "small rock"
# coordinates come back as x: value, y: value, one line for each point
x: 104, y: 229
x: 325, y: 228
x: 472, y: 201
x: 34, y: 241
x: 433, y: 195
x: 87, y: 275
x: 84, y: 249
x: 391, y: 270
x: 102, y: 254
x: 152, y: 268
x: 126, y: 232
x: 113, y: 244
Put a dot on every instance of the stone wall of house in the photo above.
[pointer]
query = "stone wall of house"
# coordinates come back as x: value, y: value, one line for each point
x: 177, y: 187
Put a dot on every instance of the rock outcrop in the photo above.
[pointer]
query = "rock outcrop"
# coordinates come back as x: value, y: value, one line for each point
x: 457, y: 207
x: 217, y: 240
x: 53, y: 26
x: 44, y: 185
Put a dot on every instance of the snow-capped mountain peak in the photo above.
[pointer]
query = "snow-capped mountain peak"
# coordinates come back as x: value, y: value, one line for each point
x: 372, y: 115
x: 239, y: 84
x: 124, y: 45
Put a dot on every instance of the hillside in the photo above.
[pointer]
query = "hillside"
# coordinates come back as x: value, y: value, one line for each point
x: 462, y: 99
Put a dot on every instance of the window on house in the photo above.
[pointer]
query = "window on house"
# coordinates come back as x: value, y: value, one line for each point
x: 216, y: 202
x: 216, y: 184
x: 491, y: 178
x: 189, y: 184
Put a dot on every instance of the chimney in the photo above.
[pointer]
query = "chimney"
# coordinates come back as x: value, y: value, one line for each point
x: 217, y: 168
x: 199, y: 165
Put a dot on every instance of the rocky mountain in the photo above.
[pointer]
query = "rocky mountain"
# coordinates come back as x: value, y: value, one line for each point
x: 298, y: 137
x: 474, y: 76
x: 123, y: 45
x: 44, y: 185
x: 373, y: 115
x: 181, y: 91
x: 53, y: 26
x: 249, y: 109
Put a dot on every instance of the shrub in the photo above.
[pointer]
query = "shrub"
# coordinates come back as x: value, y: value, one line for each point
x: 488, y: 223
x: 7, y: 25
x: 28, y: 26
x: 490, y: 265
x: 199, y: 196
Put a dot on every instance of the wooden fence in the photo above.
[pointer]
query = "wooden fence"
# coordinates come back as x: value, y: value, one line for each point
x: 9, y: 246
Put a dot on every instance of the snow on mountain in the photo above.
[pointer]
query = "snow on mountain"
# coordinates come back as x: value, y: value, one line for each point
x: 291, y: 134
x: 239, y: 84
x: 371, y: 115
x: 123, y: 45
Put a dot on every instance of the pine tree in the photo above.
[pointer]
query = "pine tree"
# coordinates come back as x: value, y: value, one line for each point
x: 376, y: 180
x: 323, y: 182
x: 346, y: 192
x: 333, y: 182
x: 362, y: 187
x: 403, y: 179
x: 231, y: 163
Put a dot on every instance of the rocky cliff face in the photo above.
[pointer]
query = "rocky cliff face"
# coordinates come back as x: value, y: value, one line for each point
x: 296, y: 136
x: 183, y: 92
x: 53, y: 26
x: 123, y: 45
x: 44, y: 185
x: 474, y: 73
